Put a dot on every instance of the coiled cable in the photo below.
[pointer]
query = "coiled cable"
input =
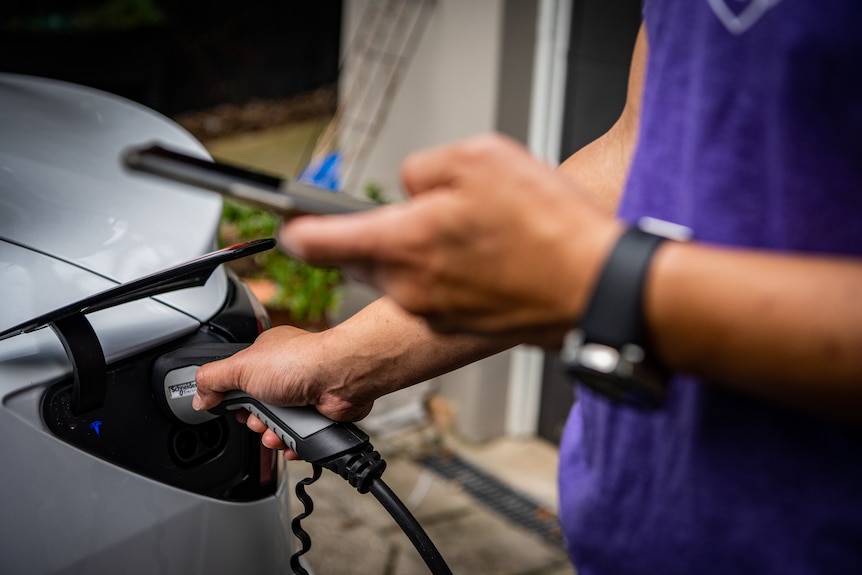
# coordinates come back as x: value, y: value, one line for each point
x: 363, y: 470
x: 296, y: 524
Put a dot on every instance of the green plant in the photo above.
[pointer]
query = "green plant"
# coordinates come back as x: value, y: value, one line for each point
x: 374, y: 192
x: 307, y: 292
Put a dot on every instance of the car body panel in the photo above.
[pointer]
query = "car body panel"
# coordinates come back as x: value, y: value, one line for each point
x: 66, y: 511
x: 73, y: 223
x: 30, y: 288
x: 65, y: 193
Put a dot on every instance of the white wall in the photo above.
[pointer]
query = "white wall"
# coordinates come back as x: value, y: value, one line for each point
x: 473, y: 56
x: 450, y: 89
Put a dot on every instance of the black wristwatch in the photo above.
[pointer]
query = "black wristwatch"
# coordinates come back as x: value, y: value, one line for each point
x: 608, y: 351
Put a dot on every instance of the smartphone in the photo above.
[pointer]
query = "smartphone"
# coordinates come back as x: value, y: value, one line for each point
x: 285, y: 197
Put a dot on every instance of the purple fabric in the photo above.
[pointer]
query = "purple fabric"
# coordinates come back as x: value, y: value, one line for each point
x: 751, y: 135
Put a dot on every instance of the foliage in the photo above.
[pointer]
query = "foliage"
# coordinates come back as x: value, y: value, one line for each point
x: 374, y: 192
x: 307, y: 292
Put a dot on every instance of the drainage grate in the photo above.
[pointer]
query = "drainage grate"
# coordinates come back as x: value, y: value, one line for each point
x: 500, y: 498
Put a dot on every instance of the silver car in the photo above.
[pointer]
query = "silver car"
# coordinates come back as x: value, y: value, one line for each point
x: 94, y: 477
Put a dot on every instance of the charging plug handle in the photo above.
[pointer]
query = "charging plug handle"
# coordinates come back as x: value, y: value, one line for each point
x: 314, y: 437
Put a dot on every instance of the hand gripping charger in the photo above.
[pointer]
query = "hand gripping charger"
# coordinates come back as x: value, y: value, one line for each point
x: 314, y: 437
x: 339, y: 447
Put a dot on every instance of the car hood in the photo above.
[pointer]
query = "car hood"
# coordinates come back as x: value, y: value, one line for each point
x: 73, y: 221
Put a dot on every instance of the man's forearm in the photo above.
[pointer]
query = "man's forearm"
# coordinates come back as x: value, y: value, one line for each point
x: 394, y: 349
x: 787, y: 328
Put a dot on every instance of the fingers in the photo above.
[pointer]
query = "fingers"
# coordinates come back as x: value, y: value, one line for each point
x: 356, y: 237
x: 428, y: 170
x: 442, y: 167
x: 268, y: 437
x: 270, y: 440
x: 339, y: 239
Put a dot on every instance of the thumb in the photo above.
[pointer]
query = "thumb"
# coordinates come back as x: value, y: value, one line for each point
x: 212, y: 380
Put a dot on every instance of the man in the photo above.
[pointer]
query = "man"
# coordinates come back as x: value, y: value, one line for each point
x: 744, y: 122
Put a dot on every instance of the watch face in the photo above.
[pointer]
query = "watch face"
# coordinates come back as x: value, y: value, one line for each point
x: 602, y: 359
x: 621, y: 375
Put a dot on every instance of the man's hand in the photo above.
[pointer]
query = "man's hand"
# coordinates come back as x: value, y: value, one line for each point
x: 479, y: 246
x: 285, y: 366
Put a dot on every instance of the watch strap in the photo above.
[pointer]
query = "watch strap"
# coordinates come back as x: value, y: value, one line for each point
x: 613, y: 315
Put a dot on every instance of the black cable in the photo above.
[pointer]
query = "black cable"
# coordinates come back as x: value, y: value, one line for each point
x: 362, y: 468
x: 296, y: 524
x: 410, y: 526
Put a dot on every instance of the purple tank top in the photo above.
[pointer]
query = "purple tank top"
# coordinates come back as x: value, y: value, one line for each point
x: 751, y: 134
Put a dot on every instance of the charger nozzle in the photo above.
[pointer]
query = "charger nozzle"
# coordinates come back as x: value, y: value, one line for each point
x: 314, y: 437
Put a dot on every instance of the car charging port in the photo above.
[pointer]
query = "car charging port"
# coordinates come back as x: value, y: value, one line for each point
x: 191, y: 445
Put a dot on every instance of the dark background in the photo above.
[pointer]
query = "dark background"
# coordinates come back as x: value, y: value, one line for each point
x: 176, y: 55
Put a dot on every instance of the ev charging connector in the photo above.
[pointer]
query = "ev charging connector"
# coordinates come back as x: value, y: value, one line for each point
x: 340, y: 447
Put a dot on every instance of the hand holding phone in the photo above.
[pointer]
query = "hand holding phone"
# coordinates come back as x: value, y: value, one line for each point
x: 285, y: 197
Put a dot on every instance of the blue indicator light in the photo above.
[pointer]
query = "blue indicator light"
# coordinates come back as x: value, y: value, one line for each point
x: 97, y: 427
